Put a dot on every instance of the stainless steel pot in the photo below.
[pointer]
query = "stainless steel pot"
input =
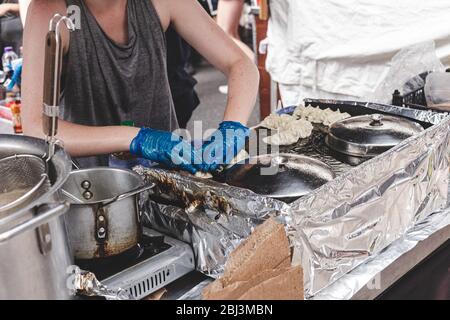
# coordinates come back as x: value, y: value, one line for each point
x: 34, y: 252
x: 104, y: 218
x: 370, y: 135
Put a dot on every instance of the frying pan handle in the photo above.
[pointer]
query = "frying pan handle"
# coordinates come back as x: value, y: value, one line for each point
x: 135, y: 192
x: 50, y: 214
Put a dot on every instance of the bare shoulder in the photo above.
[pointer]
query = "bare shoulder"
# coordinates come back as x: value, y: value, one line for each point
x: 163, y: 9
x: 38, y: 17
x: 39, y: 8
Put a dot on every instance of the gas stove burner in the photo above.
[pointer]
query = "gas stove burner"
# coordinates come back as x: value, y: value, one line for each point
x: 151, y: 265
x: 106, y: 267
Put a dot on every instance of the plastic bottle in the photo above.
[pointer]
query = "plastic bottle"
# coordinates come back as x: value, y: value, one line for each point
x: 16, y: 117
x: 7, y: 59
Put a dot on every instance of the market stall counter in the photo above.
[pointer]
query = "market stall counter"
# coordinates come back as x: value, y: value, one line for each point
x: 334, y: 229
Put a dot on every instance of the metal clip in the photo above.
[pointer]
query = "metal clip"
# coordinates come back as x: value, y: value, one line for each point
x: 51, y: 111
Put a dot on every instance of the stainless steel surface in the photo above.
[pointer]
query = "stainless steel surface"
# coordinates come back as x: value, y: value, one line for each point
x: 29, y: 270
x: 157, y: 272
x: 370, y: 135
x: 24, y: 179
x: 108, y: 223
x: 280, y: 176
x: 40, y: 219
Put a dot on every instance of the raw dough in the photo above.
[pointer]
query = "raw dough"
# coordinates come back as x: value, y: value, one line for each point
x: 275, y: 121
x: 241, y: 156
x: 203, y: 175
x: 290, y: 129
x: 290, y: 132
x: 316, y: 115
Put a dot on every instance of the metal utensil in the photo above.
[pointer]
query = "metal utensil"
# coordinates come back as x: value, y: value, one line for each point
x: 52, y: 79
x: 25, y: 175
x: 34, y: 251
x: 24, y: 178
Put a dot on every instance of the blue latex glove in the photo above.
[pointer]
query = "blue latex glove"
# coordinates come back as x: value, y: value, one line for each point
x: 224, y: 145
x: 16, y: 78
x: 166, y: 148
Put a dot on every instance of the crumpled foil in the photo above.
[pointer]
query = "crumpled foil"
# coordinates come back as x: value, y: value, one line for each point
x: 85, y: 283
x: 213, y: 217
x: 336, y: 228
x: 347, y: 221
x: 362, y: 276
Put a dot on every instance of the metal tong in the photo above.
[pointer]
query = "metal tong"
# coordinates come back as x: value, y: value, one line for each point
x: 52, y: 79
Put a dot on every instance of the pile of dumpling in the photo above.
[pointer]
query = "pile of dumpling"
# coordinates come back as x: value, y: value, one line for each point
x: 298, y: 126
x: 316, y: 115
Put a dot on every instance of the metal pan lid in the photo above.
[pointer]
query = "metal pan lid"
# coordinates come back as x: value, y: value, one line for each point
x: 281, y: 176
x: 370, y: 135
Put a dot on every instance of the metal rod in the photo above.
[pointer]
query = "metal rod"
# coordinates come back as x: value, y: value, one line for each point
x: 51, y: 108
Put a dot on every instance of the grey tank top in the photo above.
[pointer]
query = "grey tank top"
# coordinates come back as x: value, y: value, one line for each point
x: 106, y: 83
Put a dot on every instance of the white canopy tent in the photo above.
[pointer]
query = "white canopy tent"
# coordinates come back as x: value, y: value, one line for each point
x: 343, y: 48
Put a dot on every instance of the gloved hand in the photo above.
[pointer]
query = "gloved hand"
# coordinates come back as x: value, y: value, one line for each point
x: 223, y: 145
x: 166, y: 148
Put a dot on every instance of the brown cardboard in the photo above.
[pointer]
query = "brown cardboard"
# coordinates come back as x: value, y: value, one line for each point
x: 278, y: 284
x: 260, y: 269
x: 267, y: 248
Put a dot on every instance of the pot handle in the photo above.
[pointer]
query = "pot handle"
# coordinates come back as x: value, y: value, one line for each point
x: 130, y: 194
x: 51, y: 213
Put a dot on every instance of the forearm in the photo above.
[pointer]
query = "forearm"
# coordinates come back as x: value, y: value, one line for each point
x: 11, y: 8
x: 243, y: 80
x: 82, y: 141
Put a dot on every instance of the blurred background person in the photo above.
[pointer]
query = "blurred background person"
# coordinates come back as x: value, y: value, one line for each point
x: 181, y: 81
x: 10, y: 25
x: 229, y: 14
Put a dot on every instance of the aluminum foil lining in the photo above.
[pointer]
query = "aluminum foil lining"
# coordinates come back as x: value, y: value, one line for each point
x: 350, y: 284
x: 347, y: 221
x: 86, y: 284
x: 213, y: 217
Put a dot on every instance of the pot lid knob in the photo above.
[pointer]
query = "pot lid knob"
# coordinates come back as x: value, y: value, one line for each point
x: 376, y: 120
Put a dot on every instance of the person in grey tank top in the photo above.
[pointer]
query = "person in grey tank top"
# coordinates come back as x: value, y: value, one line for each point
x: 115, y: 71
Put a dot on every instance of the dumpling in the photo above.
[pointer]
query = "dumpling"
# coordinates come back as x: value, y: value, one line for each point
x: 290, y: 132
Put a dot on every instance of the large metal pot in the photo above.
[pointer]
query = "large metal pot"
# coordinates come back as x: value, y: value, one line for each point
x: 34, y: 252
x: 104, y: 218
